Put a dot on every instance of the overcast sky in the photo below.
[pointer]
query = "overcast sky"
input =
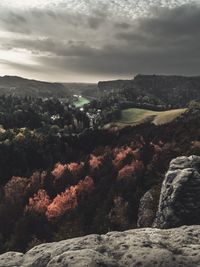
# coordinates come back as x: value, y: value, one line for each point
x: 92, y: 40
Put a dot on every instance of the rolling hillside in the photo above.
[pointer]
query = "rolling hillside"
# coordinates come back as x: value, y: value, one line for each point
x: 135, y: 116
x: 21, y: 87
x: 17, y: 86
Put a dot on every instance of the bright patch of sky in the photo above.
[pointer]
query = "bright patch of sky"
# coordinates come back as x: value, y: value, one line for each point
x: 133, y: 8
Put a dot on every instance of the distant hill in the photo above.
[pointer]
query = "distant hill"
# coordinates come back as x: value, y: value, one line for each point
x: 115, y: 85
x: 89, y: 90
x: 17, y: 86
x: 169, y: 89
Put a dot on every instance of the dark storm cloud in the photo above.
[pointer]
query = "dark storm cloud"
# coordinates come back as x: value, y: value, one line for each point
x: 169, y: 23
x: 94, y: 22
x: 14, y: 22
x: 122, y: 25
x: 183, y: 20
x: 98, y: 44
x: 166, y: 43
x: 42, y: 22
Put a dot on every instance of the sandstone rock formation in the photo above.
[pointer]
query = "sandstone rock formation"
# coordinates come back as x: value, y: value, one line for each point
x: 148, y: 207
x: 180, y: 194
x: 147, y: 247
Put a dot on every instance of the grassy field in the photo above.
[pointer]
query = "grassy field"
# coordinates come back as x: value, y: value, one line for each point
x: 81, y: 102
x: 135, y: 116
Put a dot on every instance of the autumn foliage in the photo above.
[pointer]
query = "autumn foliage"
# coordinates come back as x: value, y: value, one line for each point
x: 95, y: 162
x: 68, y: 200
x: 38, y: 203
x: 100, y: 191
x: 73, y: 168
x: 41, y: 203
x: 42, y: 198
x: 59, y: 170
x: 130, y: 170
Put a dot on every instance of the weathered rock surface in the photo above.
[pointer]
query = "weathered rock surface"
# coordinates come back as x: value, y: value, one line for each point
x: 148, y: 207
x: 11, y: 259
x: 147, y: 247
x: 179, y: 202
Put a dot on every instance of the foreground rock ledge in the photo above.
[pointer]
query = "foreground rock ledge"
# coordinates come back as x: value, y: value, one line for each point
x: 142, y: 247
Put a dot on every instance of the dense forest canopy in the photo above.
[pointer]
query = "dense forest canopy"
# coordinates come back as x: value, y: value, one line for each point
x: 62, y: 177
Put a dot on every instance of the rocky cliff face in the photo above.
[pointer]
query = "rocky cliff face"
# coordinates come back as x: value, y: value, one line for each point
x: 148, y: 207
x: 175, y: 90
x: 180, y: 194
x: 143, y: 247
x: 114, y: 85
x: 172, y: 89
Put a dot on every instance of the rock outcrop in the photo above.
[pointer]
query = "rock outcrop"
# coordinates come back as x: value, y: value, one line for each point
x: 147, y: 247
x: 148, y: 207
x: 179, y: 202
